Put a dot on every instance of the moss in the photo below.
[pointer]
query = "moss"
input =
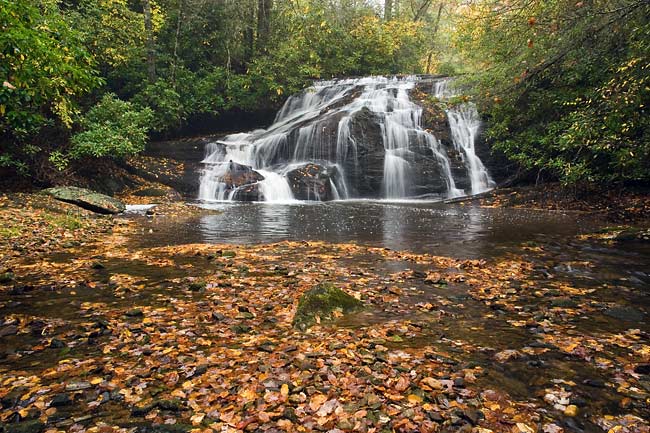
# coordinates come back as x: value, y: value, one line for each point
x: 198, y: 286
x: 9, y: 232
x: 322, y: 301
x: 68, y: 222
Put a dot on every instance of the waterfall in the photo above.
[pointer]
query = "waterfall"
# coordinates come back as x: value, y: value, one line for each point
x: 349, y: 138
x: 465, y: 123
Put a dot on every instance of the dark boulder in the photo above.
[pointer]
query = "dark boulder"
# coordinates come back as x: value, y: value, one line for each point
x: 248, y: 193
x: 237, y: 175
x: 87, y: 199
x: 312, y: 182
x: 365, y: 176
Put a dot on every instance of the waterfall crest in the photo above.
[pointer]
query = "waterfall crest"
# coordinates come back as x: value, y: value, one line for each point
x: 350, y: 138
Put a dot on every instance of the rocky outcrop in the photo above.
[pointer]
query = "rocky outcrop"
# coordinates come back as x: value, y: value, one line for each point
x: 237, y: 175
x: 87, y: 199
x: 312, y: 182
x: 387, y: 137
x: 367, y: 173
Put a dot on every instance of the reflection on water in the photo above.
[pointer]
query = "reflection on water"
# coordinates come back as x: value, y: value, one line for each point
x: 461, y: 231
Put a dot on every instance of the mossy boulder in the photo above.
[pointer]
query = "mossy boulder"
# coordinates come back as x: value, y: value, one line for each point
x: 322, y: 301
x: 87, y: 199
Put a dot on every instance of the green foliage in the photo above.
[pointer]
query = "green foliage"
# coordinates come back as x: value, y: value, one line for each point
x: 45, y: 68
x: 210, y: 57
x: 165, y: 103
x: 112, y: 128
x: 565, y: 85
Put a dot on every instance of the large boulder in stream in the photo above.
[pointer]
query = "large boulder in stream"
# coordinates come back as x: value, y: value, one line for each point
x: 238, y: 181
x: 87, y: 199
x: 237, y: 175
x: 321, y: 303
x: 312, y: 182
x: 249, y: 192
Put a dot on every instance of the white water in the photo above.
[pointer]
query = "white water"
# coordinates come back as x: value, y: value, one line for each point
x: 465, y: 124
x: 315, y: 126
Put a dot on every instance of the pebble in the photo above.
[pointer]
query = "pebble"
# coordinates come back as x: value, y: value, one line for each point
x: 60, y: 400
x: 8, y: 330
x: 77, y: 386
x: 642, y: 369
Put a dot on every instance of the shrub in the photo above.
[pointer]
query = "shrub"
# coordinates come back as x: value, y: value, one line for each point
x: 112, y: 128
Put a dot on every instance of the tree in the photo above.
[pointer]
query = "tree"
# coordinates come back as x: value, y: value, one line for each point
x: 151, y: 44
x: 388, y: 10
x: 263, y: 22
x: 565, y: 85
x: 45, y: 68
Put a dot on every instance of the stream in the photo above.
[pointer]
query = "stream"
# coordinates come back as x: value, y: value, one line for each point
x: 613, y: 277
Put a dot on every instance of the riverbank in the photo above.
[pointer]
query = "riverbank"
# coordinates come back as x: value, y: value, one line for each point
x: 119, y: 331
x: 615, y: 204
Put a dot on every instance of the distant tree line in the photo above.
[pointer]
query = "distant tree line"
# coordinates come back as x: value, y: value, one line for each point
x: 563, y: 84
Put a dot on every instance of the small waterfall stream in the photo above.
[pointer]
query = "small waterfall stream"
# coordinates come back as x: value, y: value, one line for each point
x: 465, y: 123
x: 350, y: 138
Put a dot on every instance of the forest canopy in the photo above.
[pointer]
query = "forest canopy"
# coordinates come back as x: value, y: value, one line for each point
x: 563, y: 84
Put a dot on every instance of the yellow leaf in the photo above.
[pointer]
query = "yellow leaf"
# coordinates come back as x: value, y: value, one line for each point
x: 248, y: 394
x: 317, y: 401
x: 414, y: 399
x: 284, y: 390
x: 197, y: 418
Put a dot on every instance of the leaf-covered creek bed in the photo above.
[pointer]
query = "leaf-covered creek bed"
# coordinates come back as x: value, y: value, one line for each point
x: 108, y: 333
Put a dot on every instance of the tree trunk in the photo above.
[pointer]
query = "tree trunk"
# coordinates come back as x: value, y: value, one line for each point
x: 249, y: 32
x: 151, y: 48
x: 388, y: 9
x: 263, y: 22
x: 176, y: 37
x: 434, y: 35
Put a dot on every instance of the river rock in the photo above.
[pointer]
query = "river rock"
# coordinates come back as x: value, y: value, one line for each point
x: 321, y: 302
x: 628, y: 314
x: 34, y: 426
x: 8, y: 330
x: 248, y: 193
x: 312, y: 182
x: 87, y: 199
x: 238, y: 174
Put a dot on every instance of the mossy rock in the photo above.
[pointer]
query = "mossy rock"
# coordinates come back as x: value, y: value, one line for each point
x: 86, y: 199
x: 322, y: 301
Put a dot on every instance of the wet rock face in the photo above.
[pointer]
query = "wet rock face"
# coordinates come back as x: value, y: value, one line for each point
x: 238, y: 174
x: 393, y: 138
x: 312, y: 182
x: 366, y: 176
x: 241, y: 181
x: 248, y: 193
x: 87, y: 199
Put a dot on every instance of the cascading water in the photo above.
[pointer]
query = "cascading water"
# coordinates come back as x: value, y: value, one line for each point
x: 465, y: 123
x: 352, y: 138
